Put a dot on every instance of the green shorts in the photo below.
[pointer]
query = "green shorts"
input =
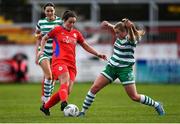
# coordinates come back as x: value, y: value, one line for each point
x: 124, y: 74
x: 42, y: 57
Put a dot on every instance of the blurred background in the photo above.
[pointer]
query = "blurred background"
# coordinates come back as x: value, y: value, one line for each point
x: 157, y: 55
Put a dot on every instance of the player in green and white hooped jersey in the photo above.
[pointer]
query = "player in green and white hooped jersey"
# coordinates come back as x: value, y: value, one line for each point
x: 120, y: 66
x: 42, y: 28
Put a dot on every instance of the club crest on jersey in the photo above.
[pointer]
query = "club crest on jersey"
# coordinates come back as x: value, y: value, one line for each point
x: 75, y: 35
x: 60, y: 68
x: 67, y: 39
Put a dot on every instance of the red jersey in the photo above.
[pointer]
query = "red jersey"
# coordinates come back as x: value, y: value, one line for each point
x: 64, y: 45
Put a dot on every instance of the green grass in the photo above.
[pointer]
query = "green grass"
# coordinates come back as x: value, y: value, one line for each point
x: 21, y: 102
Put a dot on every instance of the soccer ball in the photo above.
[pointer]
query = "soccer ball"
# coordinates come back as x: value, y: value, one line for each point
x: 71, y: 110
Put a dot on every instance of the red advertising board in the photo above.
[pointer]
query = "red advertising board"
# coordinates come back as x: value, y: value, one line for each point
x: 6, y: 71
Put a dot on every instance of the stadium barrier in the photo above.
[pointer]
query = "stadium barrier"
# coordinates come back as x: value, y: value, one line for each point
x: 163, y: 58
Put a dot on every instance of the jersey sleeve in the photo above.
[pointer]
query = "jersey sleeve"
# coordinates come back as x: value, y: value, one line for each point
x: 61, y: 22
x: 80, y: 38
x: 53, y: 32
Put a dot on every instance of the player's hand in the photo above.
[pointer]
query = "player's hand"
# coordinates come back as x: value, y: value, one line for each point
x: 102, y: 56
x: 38, y: 36
x: 104, y: 24
x: 127, y: 22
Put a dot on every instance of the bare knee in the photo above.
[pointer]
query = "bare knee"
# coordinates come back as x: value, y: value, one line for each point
x: 99, y: 83
x: 135, y: 98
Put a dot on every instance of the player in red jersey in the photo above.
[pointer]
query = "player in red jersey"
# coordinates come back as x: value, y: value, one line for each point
x: 65, y: 39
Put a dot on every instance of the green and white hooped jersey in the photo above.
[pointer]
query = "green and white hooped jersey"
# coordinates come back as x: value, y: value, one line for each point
x: 123, y: 53
x: 45, y: 26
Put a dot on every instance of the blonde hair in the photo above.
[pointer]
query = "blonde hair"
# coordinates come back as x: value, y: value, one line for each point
x: 138, y: 33
x: 134, y: 33
x: 121, y: 27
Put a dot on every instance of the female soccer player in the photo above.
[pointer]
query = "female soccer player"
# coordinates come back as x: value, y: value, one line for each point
x: 43, y: 27
x: 63, y: 61
x: 120, y: 66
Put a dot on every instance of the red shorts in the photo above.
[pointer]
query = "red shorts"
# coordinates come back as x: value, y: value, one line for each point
x: 59, y: 69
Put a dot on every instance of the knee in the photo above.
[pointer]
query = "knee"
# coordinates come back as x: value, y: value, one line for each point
x: 135, y: 98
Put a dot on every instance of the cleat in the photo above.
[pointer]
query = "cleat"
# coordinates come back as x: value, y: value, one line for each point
x: 63, y: 105
x: 160, y: 109
x: 44, y: 110
x: 81, y: 114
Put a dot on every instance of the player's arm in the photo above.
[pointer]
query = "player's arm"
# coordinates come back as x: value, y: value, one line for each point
x: 131, y: 35
x: 38, y: 36
x: 106, y: 24
x: 43, y: 42
x: 91, y: 50
x: 45, y: 38
x: 129, y: 26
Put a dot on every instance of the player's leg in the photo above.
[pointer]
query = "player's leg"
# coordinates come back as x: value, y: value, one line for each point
x: 71, y: 84
x: 127, y: 78
x: 42, y: 90
x: 59, y: 72
x: 51, y: 102
x: 100, y: 82
x: 106, y: 77
x: 47, y: 83
x: 72, y: 74
x: 132, y: 93
x: 63, y: 90
x: 52, y: 86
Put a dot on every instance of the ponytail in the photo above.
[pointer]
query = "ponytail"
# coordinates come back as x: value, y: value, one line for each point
x: 135, y: 34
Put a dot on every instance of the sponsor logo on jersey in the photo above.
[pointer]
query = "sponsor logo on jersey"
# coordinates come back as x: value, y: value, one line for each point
x: 60, y: 68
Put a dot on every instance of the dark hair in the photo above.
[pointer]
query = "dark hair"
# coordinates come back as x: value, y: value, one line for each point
x: 49, y: 4
x: 67, y: 14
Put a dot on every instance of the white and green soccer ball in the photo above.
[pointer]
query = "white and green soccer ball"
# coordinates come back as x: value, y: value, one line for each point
x: 71, y: 110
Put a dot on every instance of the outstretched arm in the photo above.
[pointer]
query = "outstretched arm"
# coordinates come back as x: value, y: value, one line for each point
x: 91, y: 50
x: 38, y: 36
x: 106, y: 24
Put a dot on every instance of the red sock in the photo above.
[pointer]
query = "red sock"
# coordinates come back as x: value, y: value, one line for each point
x: 53, y: 100
x: 63, y: 92
x: 42, y: 87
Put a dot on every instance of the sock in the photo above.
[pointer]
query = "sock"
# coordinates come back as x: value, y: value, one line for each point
x: 42, y: 88
x: 88, y: 101
x: 148, y: 101
x: 63, y: 92
x: 42, y: 91
x: 47, y: 90
x: 52, y: 101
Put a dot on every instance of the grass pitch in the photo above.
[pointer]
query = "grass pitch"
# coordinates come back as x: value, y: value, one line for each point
x: 19, y: 103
